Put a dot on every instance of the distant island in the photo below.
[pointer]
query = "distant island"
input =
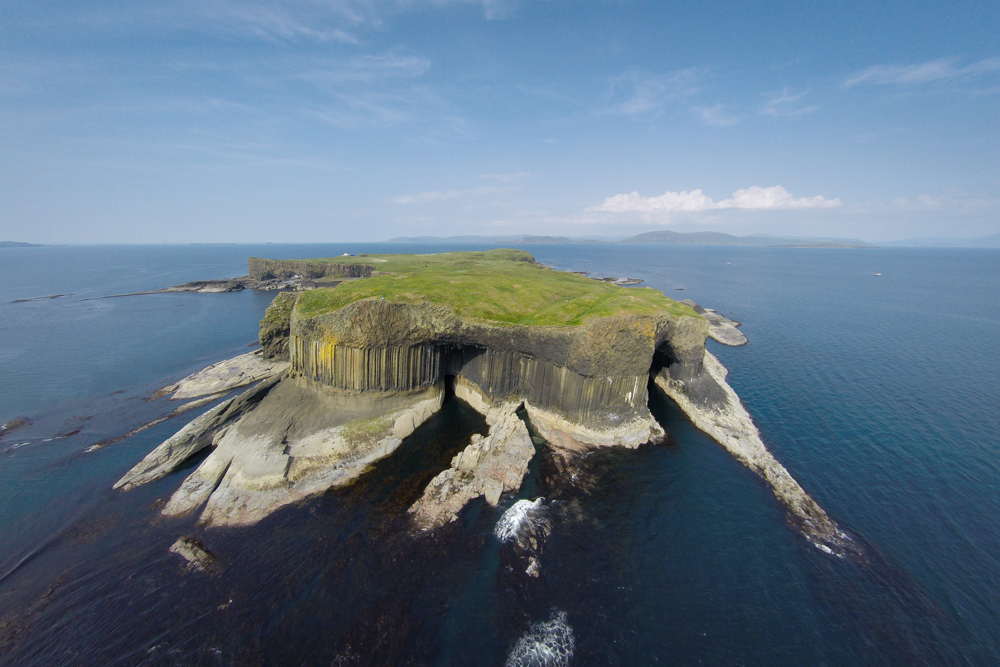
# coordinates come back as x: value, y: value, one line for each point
x: 18, y: 244
x: 659, y: 236
x: 367, y: 349
x: 991, y: 241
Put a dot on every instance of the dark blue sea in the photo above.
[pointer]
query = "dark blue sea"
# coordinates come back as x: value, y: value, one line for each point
x: 880, y: 394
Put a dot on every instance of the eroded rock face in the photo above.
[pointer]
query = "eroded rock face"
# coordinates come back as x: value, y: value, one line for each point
x: 275, y: 327
x: 488, y: 467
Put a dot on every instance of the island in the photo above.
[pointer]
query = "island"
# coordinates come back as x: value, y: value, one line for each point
x: 352, y: 365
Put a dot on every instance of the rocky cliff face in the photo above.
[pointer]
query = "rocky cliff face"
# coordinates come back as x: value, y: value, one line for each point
x: 266, y: 269
x: 590, y: 380
x: 275, y: 326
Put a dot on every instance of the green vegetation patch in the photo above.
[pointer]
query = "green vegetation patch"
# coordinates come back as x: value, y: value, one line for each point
x: 363, y: 434
x: 503, y: 286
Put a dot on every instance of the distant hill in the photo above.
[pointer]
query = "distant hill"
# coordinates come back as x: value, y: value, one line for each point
x: 18, y: 244
x: 991, y: 241
x: 660, y: 236
x: 718, y: 238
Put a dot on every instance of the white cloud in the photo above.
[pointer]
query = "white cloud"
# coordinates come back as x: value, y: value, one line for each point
x: 786, y: 104
x: 436, y: 195
x: 716, y: 115
x: 753, y: 198
x: 922, y: 73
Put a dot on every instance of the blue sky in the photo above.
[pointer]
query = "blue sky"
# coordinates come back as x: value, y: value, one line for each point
x: 330, y: 120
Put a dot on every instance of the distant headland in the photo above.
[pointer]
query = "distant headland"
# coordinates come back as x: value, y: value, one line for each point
x: 663, y: 236
x: 18, y: 244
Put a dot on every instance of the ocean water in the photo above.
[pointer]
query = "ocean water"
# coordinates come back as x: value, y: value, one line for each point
x: 879, y: 394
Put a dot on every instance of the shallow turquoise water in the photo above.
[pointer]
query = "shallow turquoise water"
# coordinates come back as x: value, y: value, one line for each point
x: 878, y: 393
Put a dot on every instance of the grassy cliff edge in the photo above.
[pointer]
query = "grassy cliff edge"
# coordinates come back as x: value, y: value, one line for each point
x: 500, y: 286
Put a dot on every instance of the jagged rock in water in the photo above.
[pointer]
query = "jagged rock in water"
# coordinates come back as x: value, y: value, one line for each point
x: 526, y: 526
x: 720, y: 328
x: 226, y: 375
x: 203, y: 431
x: 488, y: 467
x: 198, y: 558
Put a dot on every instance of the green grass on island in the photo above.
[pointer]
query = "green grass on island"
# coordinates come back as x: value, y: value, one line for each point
x: 504, y: 286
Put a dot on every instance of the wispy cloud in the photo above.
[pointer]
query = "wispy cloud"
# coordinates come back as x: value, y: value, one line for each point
x: 325, y: 20
x: 717, y: 115
x: 367, y: 68
x: 647, y: 94
x: 934, y: 71
x: 755, y: 198
x: 506, y: 178
x: 786, y: 104
x: 437, y: 195
x: 921, y: 202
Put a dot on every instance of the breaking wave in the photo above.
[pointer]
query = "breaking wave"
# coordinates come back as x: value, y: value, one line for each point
x: 547, y: 644
x: 524, y: 515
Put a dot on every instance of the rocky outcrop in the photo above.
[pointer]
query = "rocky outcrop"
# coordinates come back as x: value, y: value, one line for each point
x: 225, y: 376
x: 198, y: 558
x: 203, y: 431
x: 720, y: 328
x: 488, y: 467
x: 298, y: 442
x: 714, y: 407
x: 267, y: 269
x: 526, y: 526
x: 276, y: 326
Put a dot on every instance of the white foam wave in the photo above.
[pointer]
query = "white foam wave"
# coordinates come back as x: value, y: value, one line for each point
x: 547, y: 644
x: 522, y: 515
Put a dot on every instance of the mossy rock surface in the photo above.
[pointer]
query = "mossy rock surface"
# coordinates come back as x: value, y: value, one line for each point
x: 274, y: 328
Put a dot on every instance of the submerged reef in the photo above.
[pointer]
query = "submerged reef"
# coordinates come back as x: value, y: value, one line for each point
x: 348, y: 372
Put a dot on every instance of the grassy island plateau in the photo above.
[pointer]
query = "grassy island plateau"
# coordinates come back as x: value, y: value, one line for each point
x: 358, y: 352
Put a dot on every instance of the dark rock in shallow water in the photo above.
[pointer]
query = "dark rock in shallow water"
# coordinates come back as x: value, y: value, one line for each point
x: 720, y: 328
x: 198, y: 558
x: 14, y: 425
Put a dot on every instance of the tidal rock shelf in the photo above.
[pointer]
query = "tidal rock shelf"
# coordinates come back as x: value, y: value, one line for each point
x: 225, y: 376
x: 720, y: 328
